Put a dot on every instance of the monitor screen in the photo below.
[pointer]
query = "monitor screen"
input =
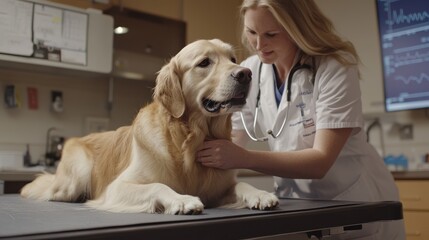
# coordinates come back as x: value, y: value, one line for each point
x: 404, y: 38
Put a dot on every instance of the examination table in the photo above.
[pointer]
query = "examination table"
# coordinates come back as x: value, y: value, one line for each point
x: 27, y: 219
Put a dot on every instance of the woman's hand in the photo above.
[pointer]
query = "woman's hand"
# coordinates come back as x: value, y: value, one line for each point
x: 221, y: 154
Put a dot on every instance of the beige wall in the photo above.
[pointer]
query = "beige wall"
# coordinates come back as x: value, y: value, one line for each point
x: 213, y: 19
x: 83, y: 97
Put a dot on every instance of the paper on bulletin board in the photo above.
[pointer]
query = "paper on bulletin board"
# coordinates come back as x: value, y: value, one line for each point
x: 15, y: 27
x: 57, y: 32
x: 32, y: 96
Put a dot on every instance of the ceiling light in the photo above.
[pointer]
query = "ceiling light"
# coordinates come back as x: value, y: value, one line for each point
x: 120, y: 30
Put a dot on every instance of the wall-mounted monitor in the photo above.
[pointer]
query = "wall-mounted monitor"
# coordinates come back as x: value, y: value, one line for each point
x: 404, y: 38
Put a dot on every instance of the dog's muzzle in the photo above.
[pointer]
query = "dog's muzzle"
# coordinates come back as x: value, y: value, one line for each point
x: 242, y: 78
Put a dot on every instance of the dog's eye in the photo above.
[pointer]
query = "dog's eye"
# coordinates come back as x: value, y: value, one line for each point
x: 204, y: 63
x: 234, y: 60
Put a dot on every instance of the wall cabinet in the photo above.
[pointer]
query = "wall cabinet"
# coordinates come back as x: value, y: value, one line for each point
x: 204, y: 19
x: 414, y: 196
x: 90, y: 50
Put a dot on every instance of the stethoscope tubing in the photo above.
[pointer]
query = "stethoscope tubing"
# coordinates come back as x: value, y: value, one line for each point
x: 254, y: 136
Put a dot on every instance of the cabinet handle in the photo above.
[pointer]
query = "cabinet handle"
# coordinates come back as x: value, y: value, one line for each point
x: 411, y: 198
x: 414, y: 234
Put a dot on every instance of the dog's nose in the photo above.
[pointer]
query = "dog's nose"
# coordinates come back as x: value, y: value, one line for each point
x: 242, y: 75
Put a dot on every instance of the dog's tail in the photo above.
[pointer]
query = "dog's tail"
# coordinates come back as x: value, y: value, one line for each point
x: 50, y: 187
x: 72, y: 181
x: 41, y: 188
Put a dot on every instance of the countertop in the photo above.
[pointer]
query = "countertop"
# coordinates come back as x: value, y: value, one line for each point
x: 26, y: 174
x: 18, y: 175
x: 411, y: 175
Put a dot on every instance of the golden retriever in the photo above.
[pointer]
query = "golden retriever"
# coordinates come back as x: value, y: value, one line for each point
x: 150, y: 166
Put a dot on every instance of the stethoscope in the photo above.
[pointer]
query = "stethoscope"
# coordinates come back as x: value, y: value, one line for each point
x: 254, y: 136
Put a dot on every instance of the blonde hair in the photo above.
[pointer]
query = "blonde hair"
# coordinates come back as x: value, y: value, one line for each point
x: 307, y: 26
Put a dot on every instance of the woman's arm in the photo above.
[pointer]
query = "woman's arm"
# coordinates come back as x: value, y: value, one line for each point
x: 240, y: 137
x: 312, y: 163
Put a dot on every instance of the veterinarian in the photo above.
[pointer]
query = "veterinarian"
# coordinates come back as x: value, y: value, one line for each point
x: 305, y: 101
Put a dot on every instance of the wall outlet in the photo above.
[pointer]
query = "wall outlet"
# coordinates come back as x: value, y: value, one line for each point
x: 96, y: 124
x: 406, y: 132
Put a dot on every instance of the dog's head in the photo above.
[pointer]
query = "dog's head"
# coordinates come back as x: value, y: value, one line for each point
x: 205, y: 77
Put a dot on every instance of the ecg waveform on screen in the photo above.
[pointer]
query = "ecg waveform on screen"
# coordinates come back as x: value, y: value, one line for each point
x: 401, y: 17
x: 405, y: 36
x: 409, y: 58
x: 400, y: 20
x: 413, y: 79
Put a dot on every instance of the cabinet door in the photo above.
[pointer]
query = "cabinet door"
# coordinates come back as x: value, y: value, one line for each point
x: 165, y: 8
x: 414, y: 194
x: 415, y: 201
x: 416, y: 225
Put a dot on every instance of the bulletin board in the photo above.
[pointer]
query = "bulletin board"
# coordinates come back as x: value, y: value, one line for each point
x: 36, y: 30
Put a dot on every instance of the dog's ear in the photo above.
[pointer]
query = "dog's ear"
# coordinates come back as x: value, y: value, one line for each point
x: 168, y: 90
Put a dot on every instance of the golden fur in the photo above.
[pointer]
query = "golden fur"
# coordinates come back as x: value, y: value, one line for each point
x: 150, y: 166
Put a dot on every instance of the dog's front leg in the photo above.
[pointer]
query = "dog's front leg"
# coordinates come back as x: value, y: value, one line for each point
x: 254, y: 198
x: 122, y: 196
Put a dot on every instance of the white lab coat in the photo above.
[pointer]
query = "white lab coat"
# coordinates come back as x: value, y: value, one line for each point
x: 334, y: 101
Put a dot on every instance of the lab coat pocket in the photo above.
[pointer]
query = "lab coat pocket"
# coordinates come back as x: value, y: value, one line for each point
x: 360, y: 190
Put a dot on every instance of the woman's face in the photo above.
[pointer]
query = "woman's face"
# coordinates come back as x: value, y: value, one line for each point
x: 270, y: 40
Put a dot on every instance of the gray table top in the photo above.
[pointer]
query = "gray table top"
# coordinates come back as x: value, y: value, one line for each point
x: 23, y: 218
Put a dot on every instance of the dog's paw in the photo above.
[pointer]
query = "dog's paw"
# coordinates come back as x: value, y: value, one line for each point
x: 184, y: 205
x: 262, y: 201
